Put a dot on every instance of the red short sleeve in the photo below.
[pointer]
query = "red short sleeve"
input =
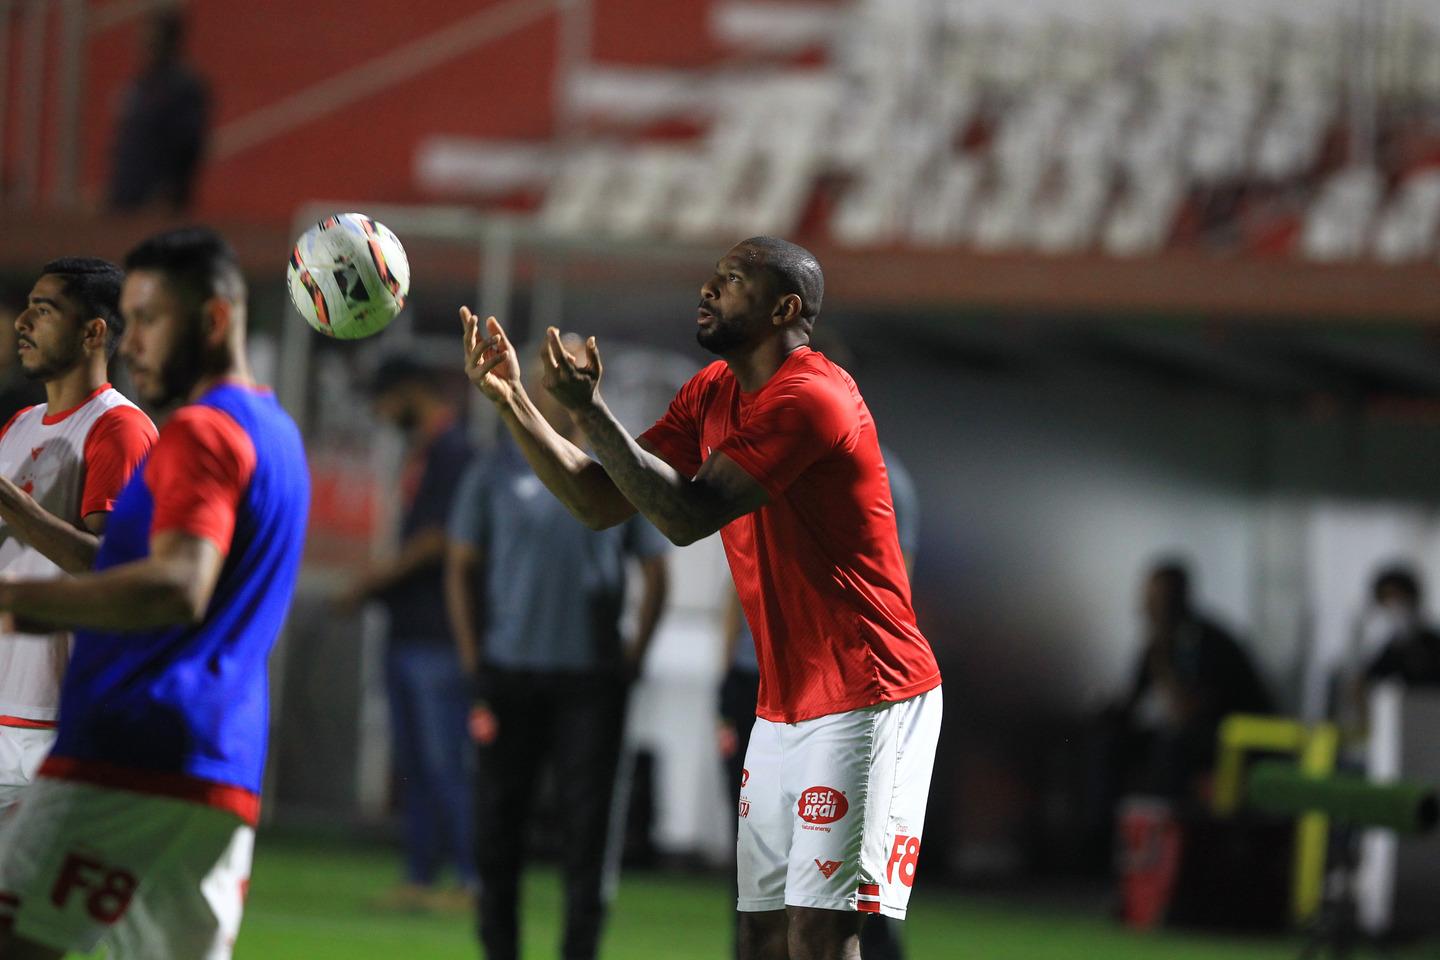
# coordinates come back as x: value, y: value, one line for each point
x: 791, y: 425
x: 675, y: 437
x: 115, y: 446
x: 197, y: 474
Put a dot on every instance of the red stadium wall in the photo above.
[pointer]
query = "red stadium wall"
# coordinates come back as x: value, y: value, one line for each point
x: 258, y: 53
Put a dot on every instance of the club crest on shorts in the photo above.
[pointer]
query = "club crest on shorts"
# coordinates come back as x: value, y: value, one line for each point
x: 828, y: 867
x: 821, y: 805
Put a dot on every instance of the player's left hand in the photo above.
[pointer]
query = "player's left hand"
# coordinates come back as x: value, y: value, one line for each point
x: 574, y: 384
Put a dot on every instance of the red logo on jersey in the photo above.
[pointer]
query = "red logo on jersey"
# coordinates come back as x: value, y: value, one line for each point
x: 744, y: 776
x: 906, y: 855
x: 744, y: 808
x: 829, y: 867
x: 822, y: 805
x: 28, y: 486
x: 35, y: 452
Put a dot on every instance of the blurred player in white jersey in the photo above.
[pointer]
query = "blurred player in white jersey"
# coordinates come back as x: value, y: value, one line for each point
x: 62, y: 464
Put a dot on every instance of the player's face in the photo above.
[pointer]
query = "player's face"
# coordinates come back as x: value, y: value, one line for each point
x: 50, y: 333
x: 735, y: 304
x: 163, y: 342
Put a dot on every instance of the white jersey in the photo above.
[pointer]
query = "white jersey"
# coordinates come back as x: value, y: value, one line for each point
x: 46, y: 457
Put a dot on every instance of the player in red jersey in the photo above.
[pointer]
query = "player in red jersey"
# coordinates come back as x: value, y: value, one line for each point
x: 773, y: 447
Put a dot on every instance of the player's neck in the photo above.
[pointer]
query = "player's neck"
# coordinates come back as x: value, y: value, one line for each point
x: 74, y: 386
x: 753, y: 368
x: 237, y: 372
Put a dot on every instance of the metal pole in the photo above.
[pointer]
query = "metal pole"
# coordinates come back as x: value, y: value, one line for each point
x: 32, y: 96
x: 7, y: 12
x: 65, y: 184
x: 1366, y: 16
x: 293, y: 386
x: 575, y: 35
x: 492, y: 299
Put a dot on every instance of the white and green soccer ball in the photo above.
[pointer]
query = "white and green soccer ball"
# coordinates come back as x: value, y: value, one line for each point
x: 348, y: 276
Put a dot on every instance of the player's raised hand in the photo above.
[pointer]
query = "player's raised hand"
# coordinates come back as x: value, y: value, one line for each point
x: 490, y: 361
x: 575, y: 383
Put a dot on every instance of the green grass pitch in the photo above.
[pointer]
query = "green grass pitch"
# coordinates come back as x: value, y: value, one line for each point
x: 308, y: 901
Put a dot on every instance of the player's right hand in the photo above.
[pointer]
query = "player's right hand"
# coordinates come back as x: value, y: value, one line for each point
x: 727, y: 739
x: 490, y: 361
x: 484, y: 727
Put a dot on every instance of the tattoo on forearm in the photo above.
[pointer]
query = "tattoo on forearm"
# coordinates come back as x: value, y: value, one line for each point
x: 652, y: 485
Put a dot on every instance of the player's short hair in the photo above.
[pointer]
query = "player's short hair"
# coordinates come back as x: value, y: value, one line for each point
x: 94, y: 285
x: 197, y: 263
x: 1399, y: 578
x: 793, y: 270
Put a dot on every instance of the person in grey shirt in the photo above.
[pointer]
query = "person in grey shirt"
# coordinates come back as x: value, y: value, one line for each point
x: 535, y: 598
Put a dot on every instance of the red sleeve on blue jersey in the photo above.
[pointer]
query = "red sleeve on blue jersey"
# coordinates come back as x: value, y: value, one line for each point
x: 793, y: 423
x: 114, y: 447
x: 197, y: 474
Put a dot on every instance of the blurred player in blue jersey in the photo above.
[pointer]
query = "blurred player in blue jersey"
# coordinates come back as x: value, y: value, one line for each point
x: 138, y: 832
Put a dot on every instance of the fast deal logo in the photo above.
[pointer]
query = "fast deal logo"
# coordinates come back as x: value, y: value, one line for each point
x: 822, y: 805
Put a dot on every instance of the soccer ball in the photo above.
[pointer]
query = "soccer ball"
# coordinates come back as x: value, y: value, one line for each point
x: 348, y: 276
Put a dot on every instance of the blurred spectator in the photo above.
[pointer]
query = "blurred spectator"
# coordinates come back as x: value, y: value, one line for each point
x: 17, y: 391
x: 1189, y: 676
x: 1159, y: 740
x: 552, y: 677
x: 740, y: 687
x: 160, y: 134
x: 1408, y: 648
x: 425, y: 684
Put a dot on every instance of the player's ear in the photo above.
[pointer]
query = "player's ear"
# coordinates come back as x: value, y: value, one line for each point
x: 95, y: 333
x: 218, y: 314
x: 787, y: 310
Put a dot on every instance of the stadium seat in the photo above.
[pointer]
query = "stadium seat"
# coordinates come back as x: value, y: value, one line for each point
x: 1339, y: 221
x: 1407, y: 228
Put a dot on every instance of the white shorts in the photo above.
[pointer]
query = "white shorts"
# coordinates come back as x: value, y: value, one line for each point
x: 832, y: 809
x: 22, y: 750
x: 150, y: 877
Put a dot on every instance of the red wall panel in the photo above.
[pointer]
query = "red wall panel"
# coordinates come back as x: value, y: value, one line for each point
x: 257, y: 53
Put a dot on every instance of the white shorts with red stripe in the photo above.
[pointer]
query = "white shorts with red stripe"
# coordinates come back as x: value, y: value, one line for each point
x: 149, y: 876
x: 832, y: 809
x: 22, y: 748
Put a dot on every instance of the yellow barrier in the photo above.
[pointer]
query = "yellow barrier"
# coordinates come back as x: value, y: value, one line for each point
x: 1315, y: 746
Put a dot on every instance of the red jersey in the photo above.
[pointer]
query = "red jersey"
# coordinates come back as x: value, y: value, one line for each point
x: 818, y: 569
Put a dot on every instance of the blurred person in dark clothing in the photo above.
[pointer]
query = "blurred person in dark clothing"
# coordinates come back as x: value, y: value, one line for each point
x: 1159, y: 738
x: 160, y: 134
x: 1408, y: 647
x: 1189, y: 676
x: 536, y: 598
x: 424, y: 682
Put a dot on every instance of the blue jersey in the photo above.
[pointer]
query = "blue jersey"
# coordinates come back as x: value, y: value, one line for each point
x: 184, y: 710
